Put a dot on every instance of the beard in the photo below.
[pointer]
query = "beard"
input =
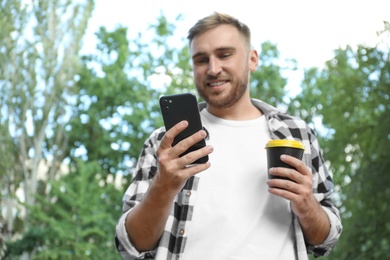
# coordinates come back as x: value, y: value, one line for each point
x: 226, y: 97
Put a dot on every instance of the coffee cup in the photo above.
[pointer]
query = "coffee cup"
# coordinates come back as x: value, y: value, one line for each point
x: 275, y: 148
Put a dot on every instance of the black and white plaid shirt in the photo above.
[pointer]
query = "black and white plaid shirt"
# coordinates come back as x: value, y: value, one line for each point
x: 173, y: 241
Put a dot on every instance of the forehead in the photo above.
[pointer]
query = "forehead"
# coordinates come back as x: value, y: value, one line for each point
x: 221, y: 36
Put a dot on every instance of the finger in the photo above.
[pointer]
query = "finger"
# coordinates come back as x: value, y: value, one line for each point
x: 185, y: 144
x: 194, y: 169
x: 288, y: 173
x: 170, y: 135
x: 284, y: 193
x: 284, y: 184
x: 195, y: 155
x: 298, y: 164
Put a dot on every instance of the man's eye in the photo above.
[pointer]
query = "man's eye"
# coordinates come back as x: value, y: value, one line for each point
x: 201, y: 61
x: 225, y: 55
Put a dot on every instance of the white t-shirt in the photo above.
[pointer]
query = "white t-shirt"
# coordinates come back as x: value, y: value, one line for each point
x: 235, y: 217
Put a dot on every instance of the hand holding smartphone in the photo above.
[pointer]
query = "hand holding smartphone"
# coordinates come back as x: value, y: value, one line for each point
x: 179, y: 107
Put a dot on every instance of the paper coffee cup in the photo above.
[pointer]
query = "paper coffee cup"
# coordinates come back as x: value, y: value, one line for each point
x: 275, y: 148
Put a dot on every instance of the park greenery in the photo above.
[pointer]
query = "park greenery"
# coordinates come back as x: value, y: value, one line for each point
x: 72, y: 127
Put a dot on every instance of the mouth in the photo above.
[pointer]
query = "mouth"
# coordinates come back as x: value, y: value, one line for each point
x: 216, y: 83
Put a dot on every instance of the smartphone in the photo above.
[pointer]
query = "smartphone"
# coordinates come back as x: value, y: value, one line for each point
x: 179, y: 107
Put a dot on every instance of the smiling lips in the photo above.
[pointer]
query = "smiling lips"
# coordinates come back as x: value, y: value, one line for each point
x: 217, y: 83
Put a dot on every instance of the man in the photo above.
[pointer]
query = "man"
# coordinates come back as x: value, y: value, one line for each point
x: 227, y: 208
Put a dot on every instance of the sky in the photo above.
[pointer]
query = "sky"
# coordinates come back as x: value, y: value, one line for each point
x: 306, y: 30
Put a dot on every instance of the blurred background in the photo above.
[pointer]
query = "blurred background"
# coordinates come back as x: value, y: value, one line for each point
x: 79, y: 89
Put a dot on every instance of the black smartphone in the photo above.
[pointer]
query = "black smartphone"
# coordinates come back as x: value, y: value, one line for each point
x: 179, y: 107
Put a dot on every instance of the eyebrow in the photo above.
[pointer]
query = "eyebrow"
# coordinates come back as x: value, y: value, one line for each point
x: 221, y: 49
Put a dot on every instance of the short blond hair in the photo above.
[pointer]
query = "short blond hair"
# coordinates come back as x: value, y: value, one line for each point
x: 216, y: 19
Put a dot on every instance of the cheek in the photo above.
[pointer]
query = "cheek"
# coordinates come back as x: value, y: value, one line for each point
x: 198, y: 73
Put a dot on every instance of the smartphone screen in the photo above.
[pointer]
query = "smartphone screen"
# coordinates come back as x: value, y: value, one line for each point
x: 179, y: 107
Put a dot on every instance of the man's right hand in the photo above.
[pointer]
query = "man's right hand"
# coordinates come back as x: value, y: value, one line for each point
x: 145, y: 222
x: 173, y: 171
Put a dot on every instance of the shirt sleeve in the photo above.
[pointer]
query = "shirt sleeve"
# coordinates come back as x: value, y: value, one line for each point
x: 124, y: 246
x: 323, y: 189
x: 143, y: 174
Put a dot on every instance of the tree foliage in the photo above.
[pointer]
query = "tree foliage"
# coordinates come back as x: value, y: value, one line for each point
x: 39, y: 46
x: 78, y: 220
x: 268, y: 82
x: 113, y: 110
x: 351, y: 97
x: 117, y: 106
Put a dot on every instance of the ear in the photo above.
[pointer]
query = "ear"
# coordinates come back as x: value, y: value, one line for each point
x: 253, y: 60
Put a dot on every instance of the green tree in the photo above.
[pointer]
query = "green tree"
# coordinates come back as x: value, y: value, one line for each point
x: 10, y: 166
x: 40, y: 41
x: 117, y: 105
x: 79, y: 219
x: 114, y: 111
x: 268, y: 82
x: 351, y: 98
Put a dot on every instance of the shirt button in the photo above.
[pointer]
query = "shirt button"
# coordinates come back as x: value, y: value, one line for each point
x: 181, y: 232
x: 188, y: 193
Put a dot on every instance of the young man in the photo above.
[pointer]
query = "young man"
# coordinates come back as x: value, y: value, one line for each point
x: 227, y: 208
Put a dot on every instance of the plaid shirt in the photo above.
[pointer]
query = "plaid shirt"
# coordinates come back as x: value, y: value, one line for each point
x: 173, y: 240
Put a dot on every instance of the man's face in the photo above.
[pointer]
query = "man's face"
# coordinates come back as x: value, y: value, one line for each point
x: 222, y: 62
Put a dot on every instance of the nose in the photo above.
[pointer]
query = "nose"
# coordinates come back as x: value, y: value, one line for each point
x: 214, y: 68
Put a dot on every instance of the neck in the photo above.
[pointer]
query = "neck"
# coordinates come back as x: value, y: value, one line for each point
x: 242, y: 110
